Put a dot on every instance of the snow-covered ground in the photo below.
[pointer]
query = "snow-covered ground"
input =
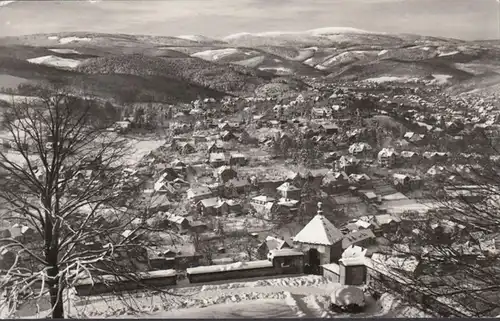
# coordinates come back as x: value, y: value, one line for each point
x: 346, y: 57
x: 251, y: 62
x: 196, y: 38
x: 314, y: 32
x: 440, y: 79
x: 383, y: 52
x: 389, y: 79
x: 293, y: 297
x: 451, y: 53
x: 65, y: 51
x: 17, y: 98
x: 141, y: 148
x: 55, y: 61
x: 73, y: 39
x: 212, y: 55
x: 278, y: 70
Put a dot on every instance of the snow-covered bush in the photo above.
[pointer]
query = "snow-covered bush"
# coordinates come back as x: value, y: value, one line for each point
x: 348, y: 299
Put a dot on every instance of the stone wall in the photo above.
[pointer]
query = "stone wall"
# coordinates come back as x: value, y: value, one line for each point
x: 230, y: 275
x: 100, y: 288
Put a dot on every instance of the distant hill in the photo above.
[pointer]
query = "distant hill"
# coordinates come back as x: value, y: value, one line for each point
x: 179, y: 68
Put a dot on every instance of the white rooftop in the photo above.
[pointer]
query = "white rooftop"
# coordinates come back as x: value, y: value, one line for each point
x: 319, y: 231
x: 283, y: 252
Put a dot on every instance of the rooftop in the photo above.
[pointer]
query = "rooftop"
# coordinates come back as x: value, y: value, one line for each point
x: 319, y: 231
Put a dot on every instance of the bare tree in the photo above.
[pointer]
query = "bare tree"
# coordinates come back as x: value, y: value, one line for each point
x: 455, y: 245
x: 63, y: 181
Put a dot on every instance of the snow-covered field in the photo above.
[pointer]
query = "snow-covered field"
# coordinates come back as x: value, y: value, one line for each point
x: 451, y: 53
x: 389, y: 79
x: 55, y: 61
x: 278, y: 70
x: 251, y: 62
x: 440, y: 79
x: 314, y: 32
x: 212, y: 55
x: 18, y: 99
x: 196, y: 38
x: 67, y: 40
x: 141, y: 148
x: 65, y: 51
x: 346, y: 57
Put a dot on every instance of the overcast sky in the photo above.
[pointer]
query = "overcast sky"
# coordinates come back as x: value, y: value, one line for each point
x: 464, y: 19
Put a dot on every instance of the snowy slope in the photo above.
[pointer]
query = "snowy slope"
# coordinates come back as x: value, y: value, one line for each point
x: 55, y: 61
x: 216, y: 54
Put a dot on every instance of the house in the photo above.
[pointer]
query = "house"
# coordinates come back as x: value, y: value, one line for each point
x: 235, y: 187
x: 335, y: 182
x: 198, y: 227
x: 199, y: 193
x: 288, y: 191
x: 199, y: 138
x: 185, y: 148
x: 347, y: 164
x: 361, y: 180
x: 321, y: 112
x: 413, y: 137
x: 370, y: 196
x: 315, y: 176
x: 384, y: 223
x: 217, y: 159
x: 163, y: 187
x: 409, y: 157
x: 159, y: 203
x: 387, y: 157
x: 437, y: 171
x: 227, y: 136
x: 320, y: 240
x: 286, y: 206
x: 178, y: 166
x: 213, y: 206
x: 180, y: 222
x: 225, y: 126
x: 363, y: 238
x: 234, y: 207
x: 21, y: 233
x: 360, y: 149
x: 225, y: 173
x: 406, y: 182
x: 296, y: 178
x: 215, y: 147
x: 272, y: 243
x: 435, y: 156
x: 262, y: 200
x: 122, y: 126
x: 331, y: 157
x: 237, y: 159
x: 357, y: 225
x: 264, y: 205
x: 329, y: 129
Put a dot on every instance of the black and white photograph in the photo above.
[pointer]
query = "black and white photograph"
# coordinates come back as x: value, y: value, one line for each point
x: 240, y: 159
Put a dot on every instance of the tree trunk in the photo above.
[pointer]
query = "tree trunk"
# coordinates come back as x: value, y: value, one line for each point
x: 56, y: 300
x: 56, y: 294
